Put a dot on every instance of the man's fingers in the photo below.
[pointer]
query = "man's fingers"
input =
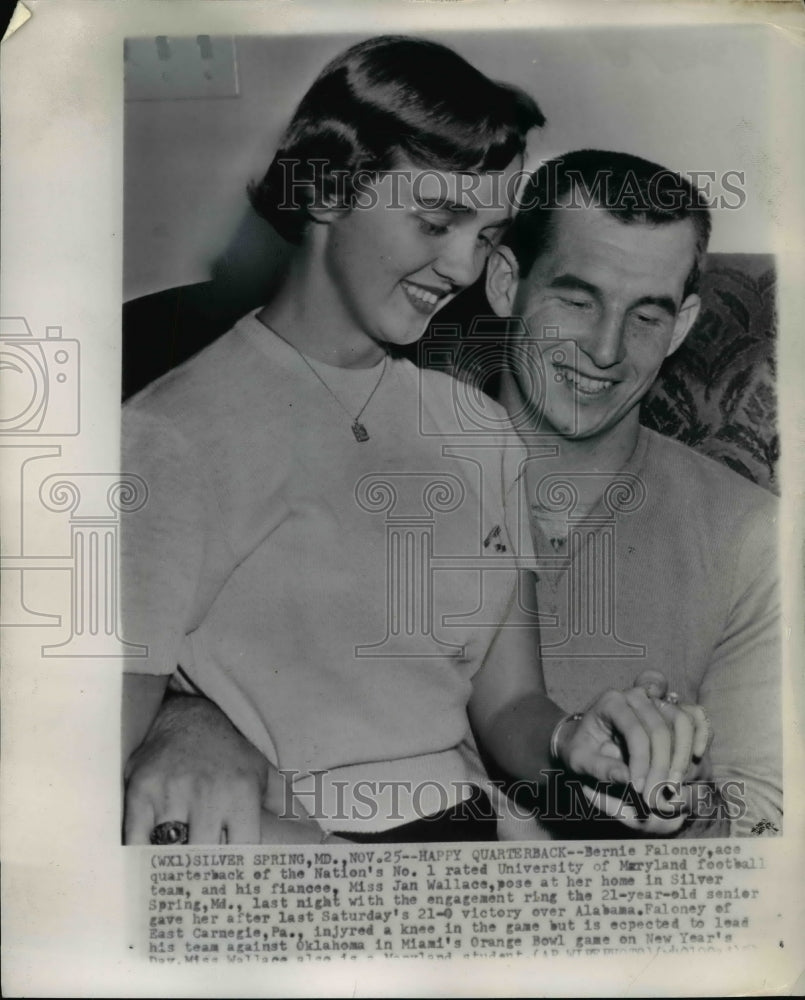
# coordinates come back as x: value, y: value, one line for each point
x: 608, y: 804
x: 214, y: 814
x: 658, y: 826
x: 182, y: 801
x: 243, y: 825
x: 206, y: 823
x: 139, y: 820
x: 224, y: 814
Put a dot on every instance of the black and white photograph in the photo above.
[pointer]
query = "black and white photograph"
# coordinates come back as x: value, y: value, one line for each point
x: 321, y: 581
x: 416, y: 504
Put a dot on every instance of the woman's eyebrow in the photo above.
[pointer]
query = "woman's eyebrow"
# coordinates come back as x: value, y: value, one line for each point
x: 453, y: 208
x: 442, y: 204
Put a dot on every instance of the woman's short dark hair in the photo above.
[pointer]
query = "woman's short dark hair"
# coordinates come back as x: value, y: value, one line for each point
x: 382, y: 98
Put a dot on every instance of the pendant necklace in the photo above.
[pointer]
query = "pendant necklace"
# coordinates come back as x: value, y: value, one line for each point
x: 358, y: 429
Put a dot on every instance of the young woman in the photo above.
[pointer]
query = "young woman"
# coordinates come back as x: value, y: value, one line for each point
x: 280, y: 561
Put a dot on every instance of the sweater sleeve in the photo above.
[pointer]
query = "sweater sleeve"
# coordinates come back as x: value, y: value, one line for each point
x: 741, y: 688
x: 168, y: 545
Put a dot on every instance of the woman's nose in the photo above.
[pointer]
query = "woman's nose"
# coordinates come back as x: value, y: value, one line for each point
x: 461, y: 260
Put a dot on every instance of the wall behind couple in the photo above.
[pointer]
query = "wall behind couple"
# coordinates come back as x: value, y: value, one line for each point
x: 691, y: 99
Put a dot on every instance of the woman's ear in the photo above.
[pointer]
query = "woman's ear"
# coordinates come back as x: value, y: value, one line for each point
x: 324, y: 213
x: 685, y: 319
x: 502, y: 275
x: 326, y: 201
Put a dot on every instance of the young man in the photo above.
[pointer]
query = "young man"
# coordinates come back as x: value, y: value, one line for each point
x: 600, y: 271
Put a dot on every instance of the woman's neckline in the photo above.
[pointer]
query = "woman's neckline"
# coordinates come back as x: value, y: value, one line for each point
x: 319, y: 362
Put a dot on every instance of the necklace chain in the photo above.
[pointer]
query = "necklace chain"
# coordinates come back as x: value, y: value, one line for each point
x: 358, y: 429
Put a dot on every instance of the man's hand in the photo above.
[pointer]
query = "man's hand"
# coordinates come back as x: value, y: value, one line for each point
x: 650, y: 824
x: 695, y: 799
x: 196, y: 768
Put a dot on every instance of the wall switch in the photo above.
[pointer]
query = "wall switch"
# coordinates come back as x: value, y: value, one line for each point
x: 167, y: 68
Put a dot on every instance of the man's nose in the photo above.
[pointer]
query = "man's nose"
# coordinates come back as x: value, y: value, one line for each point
x: 461, y: 260
x: 605, y: 344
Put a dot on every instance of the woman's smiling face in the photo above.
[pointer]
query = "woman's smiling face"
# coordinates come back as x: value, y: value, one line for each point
x: 414, y: 238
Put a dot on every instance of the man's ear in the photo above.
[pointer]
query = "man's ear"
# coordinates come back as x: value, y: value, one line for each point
x: 685, y: 319
x: 502, y: 278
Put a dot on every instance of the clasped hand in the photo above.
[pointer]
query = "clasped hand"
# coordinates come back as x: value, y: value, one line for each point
x: 644, y: 740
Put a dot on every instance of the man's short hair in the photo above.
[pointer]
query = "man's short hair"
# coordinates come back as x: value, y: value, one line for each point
x: 383, y: 98
x: 628, y: 187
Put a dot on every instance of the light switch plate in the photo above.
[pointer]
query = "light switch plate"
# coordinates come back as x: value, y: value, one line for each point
x: 167, y: 68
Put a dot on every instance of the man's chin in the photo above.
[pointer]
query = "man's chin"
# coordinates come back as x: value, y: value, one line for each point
x: 571, y: 429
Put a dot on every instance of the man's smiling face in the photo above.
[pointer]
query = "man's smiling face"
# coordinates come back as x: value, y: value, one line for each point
x: 603, y: 306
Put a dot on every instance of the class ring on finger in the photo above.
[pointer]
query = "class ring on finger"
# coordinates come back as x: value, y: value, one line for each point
x: 672, y: 698
x: 173, y: 831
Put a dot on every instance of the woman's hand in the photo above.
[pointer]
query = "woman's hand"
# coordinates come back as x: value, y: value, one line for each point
x: 195, y: 768
x: 640, y: 737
